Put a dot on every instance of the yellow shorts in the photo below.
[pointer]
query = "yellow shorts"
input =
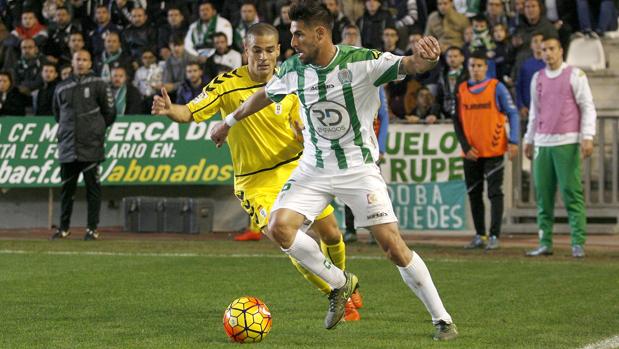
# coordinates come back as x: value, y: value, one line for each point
x: 258, y: 202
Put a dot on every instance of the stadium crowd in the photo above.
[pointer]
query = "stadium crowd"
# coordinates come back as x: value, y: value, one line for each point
x: 139, y: 46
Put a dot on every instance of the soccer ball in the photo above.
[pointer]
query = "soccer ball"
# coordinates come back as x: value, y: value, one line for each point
x: 247, y: 320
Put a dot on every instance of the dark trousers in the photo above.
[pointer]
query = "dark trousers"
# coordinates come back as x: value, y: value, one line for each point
x: 475, y: 172
x: 69, y: 172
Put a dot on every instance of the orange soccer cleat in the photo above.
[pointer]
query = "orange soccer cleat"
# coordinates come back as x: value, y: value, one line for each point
x: 356, y: 298
x: 248, y: 235
x: 350, y: 312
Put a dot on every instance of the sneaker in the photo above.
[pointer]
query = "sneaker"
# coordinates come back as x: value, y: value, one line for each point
x: 350, y: 312
x: 248, y: 235
x: 578, y: 251
x: 477, y: 242
x: 356, y: 298
x: 540, y: 251
x: 445, y: 331
x: 60, y: 234
x: 337, y: 300
x: 493, y: 243
x: 350, y: 236
x: 91, y: 235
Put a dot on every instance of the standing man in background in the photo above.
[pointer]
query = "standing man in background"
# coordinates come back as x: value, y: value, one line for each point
x: 84, y: 108
x: 560, y: 130
x: 480, y: 126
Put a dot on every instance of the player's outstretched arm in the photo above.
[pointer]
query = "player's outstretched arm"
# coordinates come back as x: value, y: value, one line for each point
x: 426, y: 54
x: 162, y: 105
x: 252, y: 105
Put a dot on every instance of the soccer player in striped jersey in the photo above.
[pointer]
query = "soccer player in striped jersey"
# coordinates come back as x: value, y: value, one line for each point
x: 265, y: 149
x: 337, y: 87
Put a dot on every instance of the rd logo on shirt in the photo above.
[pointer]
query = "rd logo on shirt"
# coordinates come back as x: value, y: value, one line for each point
x: 330, y: 120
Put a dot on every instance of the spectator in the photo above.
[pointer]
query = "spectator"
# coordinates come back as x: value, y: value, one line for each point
x: 480, y: 127
x: 534, y: 22
x: 193, y: 84
x: 562, y: 115
x: 200, y: 34
x: 223, y: 56
x: 503, y: 54
x: 606, y: 19
x: 528, y: 68
x: 103, y: 28
x: 49, y: 8
x: 375, y: 19
x: 282, y: 23
x: 340, y: 21
x: 469, y: 8
x: 174, y: 26
x: 426, y: 109
x: 76, y: 43
x: 482, y: 38
x: 42, y: 102
x: 451, y: 77
x: 8, y: 56
x: 351, y: 36
x: 59, y: 32
x: 65, y: 72
x: 447, y: 25
x: 496, y: 14
x: 148, y: 78
x: 113, y: 56
x: 12, y: 102
x: 84, y: 13
x: 30, y: 28
x: 158, y: 10
x: 412, y: 16
x: 139, y: 35
x: 120, y: 11
x: 83, y: 107
x: 127, y: 98
x: 390, y: 41
x: 249, y: 17
x: 174, y: 69
x: 28, y: 67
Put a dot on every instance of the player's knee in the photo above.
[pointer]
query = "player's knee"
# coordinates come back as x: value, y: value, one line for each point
x: 281, y: 231
x: 328, y: 231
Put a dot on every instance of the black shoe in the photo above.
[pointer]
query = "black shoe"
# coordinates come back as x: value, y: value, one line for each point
x: 445, y: 331
x: 91, y: 235
x: 60, y: 234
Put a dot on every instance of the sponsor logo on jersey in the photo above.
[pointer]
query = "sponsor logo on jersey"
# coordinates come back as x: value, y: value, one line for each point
x: 377, y: 215
x: 345, y: 76
x: 199, y: 98
x: 262, y: 211
x: 278, y: 108
x: 327, y: 86
x: 329, y: 119
x: 372, y: 198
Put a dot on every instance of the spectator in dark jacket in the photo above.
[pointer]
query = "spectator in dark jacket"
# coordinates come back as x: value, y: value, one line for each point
x: 59, y: 33
x: 339, y: 20
x: 192, y: 86
x: 535, y: 22
x: 374, y: 21
x: 12, y: 103
x: 113, y: 56
x: 120, y: 11
x: 140, y: 34
x: 175, y: 26
x: 28, y: 67
x: 44, y: 98
x: 84, y: 108
x: 127, y: 98
x: 451, y: 77
x: 104, y: 26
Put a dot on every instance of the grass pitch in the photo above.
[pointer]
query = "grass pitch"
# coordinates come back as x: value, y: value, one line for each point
x: 172, y: 294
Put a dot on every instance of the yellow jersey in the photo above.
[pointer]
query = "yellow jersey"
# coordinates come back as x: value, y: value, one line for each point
x: 258, y: 144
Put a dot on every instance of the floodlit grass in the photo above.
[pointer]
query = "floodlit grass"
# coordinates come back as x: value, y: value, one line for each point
x: 172, y: 294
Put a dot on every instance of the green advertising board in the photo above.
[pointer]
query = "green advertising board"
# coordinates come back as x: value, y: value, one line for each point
x: 140, y: 150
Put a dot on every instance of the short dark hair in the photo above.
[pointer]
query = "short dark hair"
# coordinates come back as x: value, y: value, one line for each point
x: 63, y: 8
x: 479, y: 54
x: 249, y: 2
x: 220, y: 34
x: 312, y: 13
x: 262, y: 29
x: 8, y: 75
x: 550, y: 36
x: 194, y: 63
x: 49, y: 64
x: 177, y: 40
x: 479, y: 18
x: 454, y: 48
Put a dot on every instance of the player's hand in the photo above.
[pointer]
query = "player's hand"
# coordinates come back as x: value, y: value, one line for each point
x: 472, y: 154
x: 512, y: 151
x: 162, y: 105
x: 528, y: 151
x: 426, y: 53
x: 586, y: 148
x: 219, y: 134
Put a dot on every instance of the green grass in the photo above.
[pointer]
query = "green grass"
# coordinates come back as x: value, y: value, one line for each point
x: 122, y: 294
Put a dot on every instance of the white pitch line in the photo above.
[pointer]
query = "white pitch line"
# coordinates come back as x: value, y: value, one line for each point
x: 609, y: 343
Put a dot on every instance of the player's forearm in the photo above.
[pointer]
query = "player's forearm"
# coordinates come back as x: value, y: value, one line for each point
x: 180, y: 113
x: 411, y: 65
x: 252, y: 105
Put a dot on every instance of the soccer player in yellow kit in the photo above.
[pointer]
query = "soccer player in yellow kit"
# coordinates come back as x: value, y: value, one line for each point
x: 265, y: 149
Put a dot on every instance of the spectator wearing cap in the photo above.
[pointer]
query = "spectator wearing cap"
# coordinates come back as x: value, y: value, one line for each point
x: 12, y: 102
x: 371, y: 25
x: 44, y: 98
x: 201, y: 32
x: 113, y: 56
x: 447, y: 25
x: 139, y: 35
x: 103, y: 28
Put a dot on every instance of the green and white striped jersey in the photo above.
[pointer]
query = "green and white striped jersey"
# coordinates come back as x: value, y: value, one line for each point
x: 338, y: 104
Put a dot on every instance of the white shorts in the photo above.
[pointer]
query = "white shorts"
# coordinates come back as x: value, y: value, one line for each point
x: 309, y: 190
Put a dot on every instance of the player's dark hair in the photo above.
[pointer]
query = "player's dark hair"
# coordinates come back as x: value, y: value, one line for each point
x: 479, y: 54
x: 262, y: 29
x: 312, y: 13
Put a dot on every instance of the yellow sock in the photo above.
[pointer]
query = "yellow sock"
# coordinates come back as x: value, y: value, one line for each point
x: 336, y: 253
x: 309, y: 276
